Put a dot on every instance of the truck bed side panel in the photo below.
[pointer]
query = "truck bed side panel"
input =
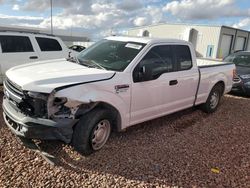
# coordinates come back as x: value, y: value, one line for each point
x: 212, y: 75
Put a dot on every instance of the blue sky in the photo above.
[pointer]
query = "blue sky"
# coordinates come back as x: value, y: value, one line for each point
x: 97, y: 18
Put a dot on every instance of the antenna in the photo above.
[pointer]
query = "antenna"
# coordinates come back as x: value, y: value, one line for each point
x: 51, y: 21
x: 71, y: 30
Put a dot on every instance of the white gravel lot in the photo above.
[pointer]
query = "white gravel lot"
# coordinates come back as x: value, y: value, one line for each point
x: 186, y: 149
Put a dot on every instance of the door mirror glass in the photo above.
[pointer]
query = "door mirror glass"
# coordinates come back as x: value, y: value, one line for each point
x: 145, y: 73
x: 69, y: 54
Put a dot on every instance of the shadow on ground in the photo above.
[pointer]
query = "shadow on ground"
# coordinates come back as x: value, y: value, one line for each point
x: 144, y: 152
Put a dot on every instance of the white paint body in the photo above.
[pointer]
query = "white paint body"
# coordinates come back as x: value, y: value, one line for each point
x: 140, y: 102
x: 9, y: 60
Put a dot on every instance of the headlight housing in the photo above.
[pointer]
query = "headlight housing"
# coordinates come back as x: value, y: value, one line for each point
x: 34, y: 104
x: 58, y: 101
x: 37, y: 95
x: 56, y: 107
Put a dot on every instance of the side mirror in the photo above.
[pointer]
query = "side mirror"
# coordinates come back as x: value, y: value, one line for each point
x: 69, y: 55
x: 145, y: 73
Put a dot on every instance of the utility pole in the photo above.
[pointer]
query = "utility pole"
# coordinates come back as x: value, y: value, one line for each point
x: 51, y: 20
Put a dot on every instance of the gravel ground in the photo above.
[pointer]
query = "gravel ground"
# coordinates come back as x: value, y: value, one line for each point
x: 186, y: 149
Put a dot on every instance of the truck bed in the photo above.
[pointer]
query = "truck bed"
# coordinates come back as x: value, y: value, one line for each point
x: 212, y: 71
x: 204, y: 62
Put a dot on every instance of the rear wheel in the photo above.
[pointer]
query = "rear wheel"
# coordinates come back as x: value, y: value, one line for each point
x: 213, y: 99
x: 92, y: 131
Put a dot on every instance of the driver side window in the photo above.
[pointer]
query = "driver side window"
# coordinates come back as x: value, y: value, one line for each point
x: 157, y: 61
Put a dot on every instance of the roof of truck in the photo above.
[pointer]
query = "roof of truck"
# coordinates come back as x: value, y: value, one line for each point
x: 145, y: 40
x: 19, y: 33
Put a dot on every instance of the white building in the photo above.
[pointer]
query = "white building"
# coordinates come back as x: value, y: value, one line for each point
x: 209, y: 41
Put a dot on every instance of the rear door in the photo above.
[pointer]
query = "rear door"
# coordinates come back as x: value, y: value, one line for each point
x: 180, y: 86
x: 16, y: 50
x: 226, y: 44
x: 240, y: 43
x: 50, y: 48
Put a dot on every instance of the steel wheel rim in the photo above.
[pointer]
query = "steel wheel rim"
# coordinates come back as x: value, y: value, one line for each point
x: 100, y: 134
x: 214, y: 100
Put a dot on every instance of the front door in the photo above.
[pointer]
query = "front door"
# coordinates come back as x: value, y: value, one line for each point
x: 179, y: 87
x: 163, y: 82
x: 147, y: 83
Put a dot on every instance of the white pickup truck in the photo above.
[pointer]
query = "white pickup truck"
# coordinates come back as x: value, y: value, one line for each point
x: 116, y: 83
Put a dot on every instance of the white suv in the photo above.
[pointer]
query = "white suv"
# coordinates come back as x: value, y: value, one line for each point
x: 18, y: 48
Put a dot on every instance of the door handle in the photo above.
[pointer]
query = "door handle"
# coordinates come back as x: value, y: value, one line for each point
x: 173, y: 82
x: 33, y: 57
x: 121, y: 88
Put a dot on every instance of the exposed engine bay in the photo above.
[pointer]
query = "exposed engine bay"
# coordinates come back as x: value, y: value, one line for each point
x: 43, y: 105
x: 50, y: 107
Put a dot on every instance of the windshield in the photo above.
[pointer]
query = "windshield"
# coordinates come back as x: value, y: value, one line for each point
x: 239, y: 59
x: 110, y: 55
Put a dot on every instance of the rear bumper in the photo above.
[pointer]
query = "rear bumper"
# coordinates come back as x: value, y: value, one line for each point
x: 37, y: 128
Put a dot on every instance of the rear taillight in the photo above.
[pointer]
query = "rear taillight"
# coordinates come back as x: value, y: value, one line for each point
x: 236, y: 78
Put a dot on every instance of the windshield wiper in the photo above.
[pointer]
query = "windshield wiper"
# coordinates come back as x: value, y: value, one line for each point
x: 97, y: 65
x: 93, y: 65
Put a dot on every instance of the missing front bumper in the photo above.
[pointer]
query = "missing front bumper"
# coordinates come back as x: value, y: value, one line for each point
x: 37, y: 128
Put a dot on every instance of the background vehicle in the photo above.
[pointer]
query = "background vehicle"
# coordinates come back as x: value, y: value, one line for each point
x: 241, y: 60
x: 18, y: 48
x: 116, y: 83
x: 77, y: 48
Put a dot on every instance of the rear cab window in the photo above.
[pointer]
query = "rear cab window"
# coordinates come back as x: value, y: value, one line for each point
x: 48, y: 44
x: 183, y: 57
x: 15, y: 44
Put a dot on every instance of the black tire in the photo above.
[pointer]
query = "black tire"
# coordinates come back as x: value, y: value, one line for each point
x: 85, y: 131
x: 210, y: 105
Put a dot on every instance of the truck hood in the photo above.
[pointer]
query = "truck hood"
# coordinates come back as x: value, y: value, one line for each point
x: 45, y: 76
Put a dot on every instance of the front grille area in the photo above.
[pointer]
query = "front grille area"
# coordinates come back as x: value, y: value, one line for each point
x: 13, y: 88
x: 18, y: 99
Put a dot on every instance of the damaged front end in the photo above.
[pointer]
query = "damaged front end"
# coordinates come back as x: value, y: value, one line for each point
x: 39, y: 115
x: 34, y: 104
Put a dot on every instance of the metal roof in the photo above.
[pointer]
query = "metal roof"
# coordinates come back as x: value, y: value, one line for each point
x: 187, y: 24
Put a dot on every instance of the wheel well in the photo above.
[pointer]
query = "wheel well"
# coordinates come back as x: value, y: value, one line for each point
x: 222, y: 85
x: 116, y: 117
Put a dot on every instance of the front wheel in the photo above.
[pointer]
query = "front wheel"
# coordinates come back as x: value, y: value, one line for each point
x: 92, y: 131
x: 213, y: 100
